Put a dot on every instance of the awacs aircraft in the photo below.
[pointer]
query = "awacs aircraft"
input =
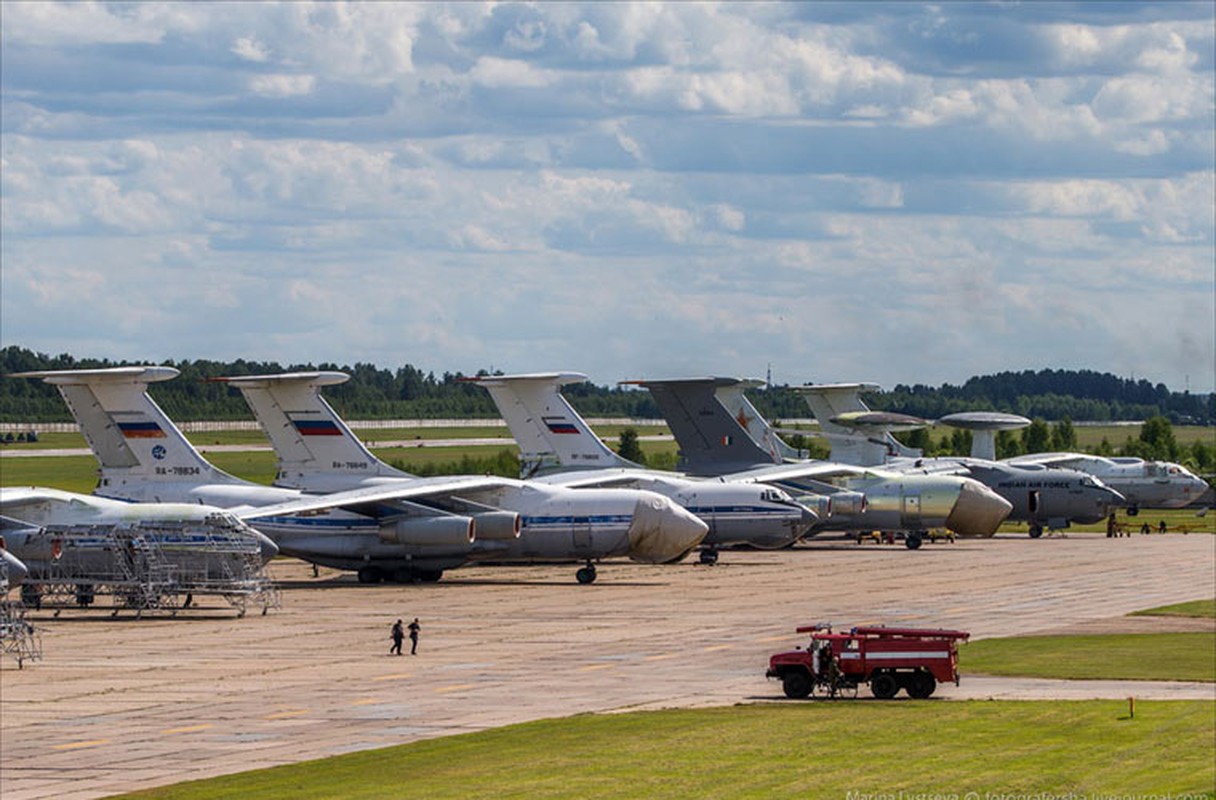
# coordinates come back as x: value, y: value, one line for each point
x: 318, y: 452
x: 139, y: 552
x: 397, y: 531
x: 713, y: 441
x: 1040, y: 496
x: 558, y: 447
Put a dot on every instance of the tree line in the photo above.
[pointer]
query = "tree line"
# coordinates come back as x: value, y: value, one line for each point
x: 407, y: 392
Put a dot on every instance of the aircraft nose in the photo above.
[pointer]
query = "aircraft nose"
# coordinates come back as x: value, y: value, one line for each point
x: 979, y: 511
x: 809, y: 518
x: 662, y: 531
x: 267, y: 548
x: 12, y: 569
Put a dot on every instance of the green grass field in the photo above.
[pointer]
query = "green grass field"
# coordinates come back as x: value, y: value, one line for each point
x: 1138, y: 656
x: 793, y: 749
x: 1196, y: 608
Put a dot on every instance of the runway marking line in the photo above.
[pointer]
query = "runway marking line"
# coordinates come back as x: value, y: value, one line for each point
x: 714, y: 647
x: 188, y: 729
x: 455, y: 687
x: 661, y: 656
x: 780, y: 638
x: 366, y: 701
x: 299, y: 712
x: 591, y: 667
x: 79, y: 745
x: 397, y: 676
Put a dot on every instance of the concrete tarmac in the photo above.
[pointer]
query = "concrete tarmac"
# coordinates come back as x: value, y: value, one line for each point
x: 118, y: 704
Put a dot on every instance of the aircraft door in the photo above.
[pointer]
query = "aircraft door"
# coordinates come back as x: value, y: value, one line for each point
x: 582, y: 535
x: 1034, y: 504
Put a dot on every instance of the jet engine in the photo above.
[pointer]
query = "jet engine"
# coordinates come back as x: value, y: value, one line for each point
x: 848, y: 503
x: 443, y: 531
x: 497, y: 525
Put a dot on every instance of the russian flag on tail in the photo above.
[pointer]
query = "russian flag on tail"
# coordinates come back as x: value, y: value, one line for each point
x: 146, y: 429
x: 559, y: 425
x: 316, y: 427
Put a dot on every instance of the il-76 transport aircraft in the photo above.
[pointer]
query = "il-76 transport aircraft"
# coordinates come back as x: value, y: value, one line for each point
x: 549, y: 430
x: 402, y: 531
x: 318, y: 452
x: 715, y: 441
x: 143, y: 554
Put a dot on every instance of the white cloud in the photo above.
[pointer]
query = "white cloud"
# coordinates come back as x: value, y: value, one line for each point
x: 282, y: 85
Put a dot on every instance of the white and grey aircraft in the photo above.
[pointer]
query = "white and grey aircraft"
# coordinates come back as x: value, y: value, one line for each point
x: 713, y: 444
x: 83, y: 543
x: 395, y: 531
x: 559, y: 448
x: 1041, y: 496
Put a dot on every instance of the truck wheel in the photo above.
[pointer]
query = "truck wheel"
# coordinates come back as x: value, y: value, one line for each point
x: 796, y: 684
x: 921, y: 685
x: 884, y: 686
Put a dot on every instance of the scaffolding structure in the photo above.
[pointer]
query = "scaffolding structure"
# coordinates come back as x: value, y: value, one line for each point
x: 19, y: 639
x: 147, y: 566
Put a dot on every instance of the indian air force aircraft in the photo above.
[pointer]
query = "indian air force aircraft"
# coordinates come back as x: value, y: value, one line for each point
x: 400, y: 530
x: 559, y: 448
x: 714, y: 440
x: 144, y: 555
x: 550, y: 432
x: 1041, y: 496
x: 318, y: 452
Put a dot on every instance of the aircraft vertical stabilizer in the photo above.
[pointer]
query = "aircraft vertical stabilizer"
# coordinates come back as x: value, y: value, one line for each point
x: 317, y: 451
x: 856, y: 434
x: 135, y: 441
x: 549, y: 432
x: 712, y: 441
x: 732, y: 397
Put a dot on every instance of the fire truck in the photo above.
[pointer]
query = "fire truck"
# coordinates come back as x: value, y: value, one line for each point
x: 889, y: 659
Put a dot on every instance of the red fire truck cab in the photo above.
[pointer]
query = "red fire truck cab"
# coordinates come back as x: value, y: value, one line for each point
x: 889, y: 659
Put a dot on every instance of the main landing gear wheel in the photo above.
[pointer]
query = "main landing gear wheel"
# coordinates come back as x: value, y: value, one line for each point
x: 914, y: 540
x: 1036, y: 531
x: 370, y: 575
x: 709, y: 556
x: 586, y: 574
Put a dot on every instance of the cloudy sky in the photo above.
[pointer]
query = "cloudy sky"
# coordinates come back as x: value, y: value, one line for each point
x: 898, y: 193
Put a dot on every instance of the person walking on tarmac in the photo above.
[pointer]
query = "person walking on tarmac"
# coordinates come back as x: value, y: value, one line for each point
x: 398, y: 636
x: 414, y: 628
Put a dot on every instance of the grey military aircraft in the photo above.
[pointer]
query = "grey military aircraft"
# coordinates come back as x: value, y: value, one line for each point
x: 395, y: 530
x: 714, y: 441
x: 292, y: 411
x: 1041, y: 497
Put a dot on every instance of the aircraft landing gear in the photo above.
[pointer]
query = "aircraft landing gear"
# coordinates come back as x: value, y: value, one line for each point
x: 1036, y: 531
x: 586, y: 574
x: 370, y: 575
x: 913, y: 540
x: 709, y: 556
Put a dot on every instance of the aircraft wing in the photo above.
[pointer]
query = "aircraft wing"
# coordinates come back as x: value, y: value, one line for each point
x: 809, y: 470
x: 359, y: 500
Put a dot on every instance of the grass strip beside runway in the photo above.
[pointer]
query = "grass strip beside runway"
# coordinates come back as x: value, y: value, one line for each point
x: 1131, y: 656
x: 1205, y: 609
x: 788, y: 749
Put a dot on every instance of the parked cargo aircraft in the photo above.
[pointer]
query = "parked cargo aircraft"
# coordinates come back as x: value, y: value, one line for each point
x: 558, y: 447
x: 399, y: 530
x: 139, y: 552
x: 714, y: 441
x: 1040, y: 496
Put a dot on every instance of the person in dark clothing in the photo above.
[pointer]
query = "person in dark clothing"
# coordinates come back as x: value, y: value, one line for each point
x: 398, y: 636
x: 414, y: 628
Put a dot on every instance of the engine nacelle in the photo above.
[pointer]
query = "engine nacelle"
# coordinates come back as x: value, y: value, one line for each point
x: 848, y: 503
x: 438, y: 531
x: 498, y: 525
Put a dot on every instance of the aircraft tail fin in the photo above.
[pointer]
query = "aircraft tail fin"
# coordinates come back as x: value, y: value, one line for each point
x: 732, y: 397
x: 316, y: 449
x: 856, y: 434
x: 549, y: 432
x: 133, y: 439
x: 711, y: 440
